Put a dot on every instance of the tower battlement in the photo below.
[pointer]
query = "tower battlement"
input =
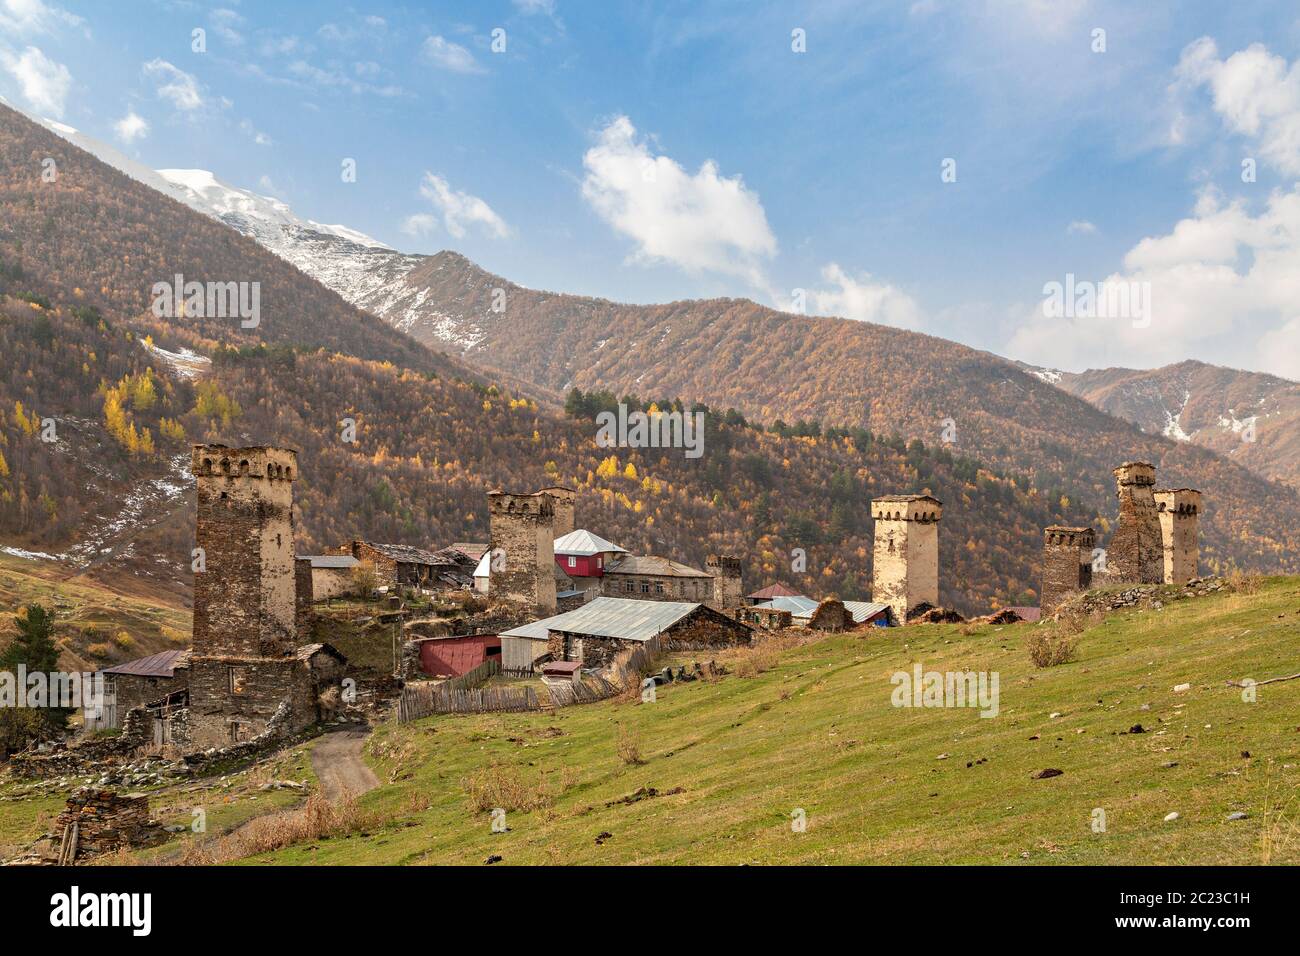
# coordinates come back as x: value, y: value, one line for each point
x: 522, y: 531
x: 1178, y: 510
x: 906, y: 508
x: 1135, y: 473
x: 1067, y: 563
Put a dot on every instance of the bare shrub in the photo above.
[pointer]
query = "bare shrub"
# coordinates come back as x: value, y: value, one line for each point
x: 1245, y: 582
x: 1049, y: 647
x: 629, y: 747
x: 317, y: 817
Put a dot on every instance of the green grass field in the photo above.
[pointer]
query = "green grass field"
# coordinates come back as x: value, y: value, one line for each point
x: 732, y: 760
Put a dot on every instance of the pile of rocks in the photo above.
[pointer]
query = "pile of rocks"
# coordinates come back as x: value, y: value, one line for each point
x: 106, y: 821
x: 1153, y: 596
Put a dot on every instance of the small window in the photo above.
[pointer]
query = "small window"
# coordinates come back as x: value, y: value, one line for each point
x: 573, y: 562
x: 236, y: 680
x: 659, y: 587
x: 645, y: 587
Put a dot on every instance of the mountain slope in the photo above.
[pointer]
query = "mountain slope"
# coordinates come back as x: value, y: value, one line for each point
x: 1250, y: 417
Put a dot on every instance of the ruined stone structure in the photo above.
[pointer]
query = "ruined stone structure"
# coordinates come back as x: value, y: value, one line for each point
x: 728, y: 590
x: 564, y: 499
x: 1135, y: 553
x: 1067, y: 564
x: 647, y: 577
x: 522, y: 566
x: 245, y: 607
x: 1179, y: 510
x: 905, y: 562
x: 97, y: 820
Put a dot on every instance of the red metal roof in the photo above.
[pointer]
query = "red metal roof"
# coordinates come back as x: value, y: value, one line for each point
x: 773, y: 591
x: 567, y: 668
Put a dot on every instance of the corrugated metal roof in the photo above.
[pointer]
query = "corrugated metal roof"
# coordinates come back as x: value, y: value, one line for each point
x: 649, y: 564
x: 798, y: 605
x: 583, y: 543
x: 624, y: 618
x: 864, y: 610
x: 331, y: 560
x: 162, y: 664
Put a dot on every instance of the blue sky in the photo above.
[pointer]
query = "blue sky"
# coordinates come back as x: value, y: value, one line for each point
x: 655, y: 151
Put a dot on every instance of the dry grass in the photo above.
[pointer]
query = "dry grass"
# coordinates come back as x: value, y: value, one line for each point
x: 499, y: 786
x: 629, y: 747
x: 1245, y: 582
x: 316, y: 818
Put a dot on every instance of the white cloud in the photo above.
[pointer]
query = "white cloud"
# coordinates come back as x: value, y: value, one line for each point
x: 459, y: 210
x: 248, y: 129
x: 26, y: 17
x: 529, y: 7
x: 224, y: 21
x: 43, y: 82
x: 1255, y: 93
x: 866, y: 300
x: 174, y: 85
x: 704, y: 222
x: 1223, y: 283
x: 131, y: 127
x: 1081, y: 227
x: 420, y: 224
x: 449, y: 56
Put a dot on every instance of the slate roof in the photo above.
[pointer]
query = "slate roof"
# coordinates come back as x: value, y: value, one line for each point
x: 649, y: 564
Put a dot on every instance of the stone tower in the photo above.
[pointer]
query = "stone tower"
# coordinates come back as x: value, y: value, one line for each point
x: 1067, y: 564
x: 728, y: 591
x: 1135, y: 554
x: 1179, y: 511
x: 564, y: 508
x: 245, y: 628
x: 523, y: 549
x: 905, y: 565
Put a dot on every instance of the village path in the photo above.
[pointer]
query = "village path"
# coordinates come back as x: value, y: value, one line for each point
x: 338, y: 764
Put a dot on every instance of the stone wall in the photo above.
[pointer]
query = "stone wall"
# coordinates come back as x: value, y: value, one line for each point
x: 133, y: 690
x: 1067, y: 564
x: 233, y: 698
x: 1135, y: 554
x: 905, y: 561
x: 1179, y: 511
x: 728, y: 588
x: 831, y: 615
x: 565, y: 501
x: 304, y: 596
x: 768, y: 617
x: 657, y: 587
x: 106, y: 821
x: 523, y: 544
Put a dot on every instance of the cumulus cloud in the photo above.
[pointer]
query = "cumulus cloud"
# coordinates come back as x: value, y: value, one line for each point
x: 865, y: 299
x: 43, y: 82
x: 131, y: 127
x: 443, y: 53
x: 1081, y: 227
x: 459, y: 211
x: 701, y: 222
x: 174, y: 85
x: 1223, y: 282
x: 420, y: 224
x: 1256, y: 94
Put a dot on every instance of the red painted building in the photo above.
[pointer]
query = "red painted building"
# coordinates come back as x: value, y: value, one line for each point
x: 453, y: 656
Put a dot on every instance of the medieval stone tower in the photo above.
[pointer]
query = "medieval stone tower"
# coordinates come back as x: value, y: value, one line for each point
x: 1067, y: 564
x: 245, y: 629
x: 564, y: 508
x: 1179, y: 510
x: 905, y: 564
x: 728, y: 591
x: 523, y: 549
x: 1135, y: 554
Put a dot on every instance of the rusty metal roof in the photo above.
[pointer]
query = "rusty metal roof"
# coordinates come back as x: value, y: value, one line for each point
x: 162, y: 664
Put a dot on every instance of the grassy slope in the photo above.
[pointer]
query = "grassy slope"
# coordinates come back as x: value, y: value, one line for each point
x: 89, y: 613
x: 818, y: 732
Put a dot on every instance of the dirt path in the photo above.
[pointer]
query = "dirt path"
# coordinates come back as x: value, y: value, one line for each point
x: 338, y: 764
